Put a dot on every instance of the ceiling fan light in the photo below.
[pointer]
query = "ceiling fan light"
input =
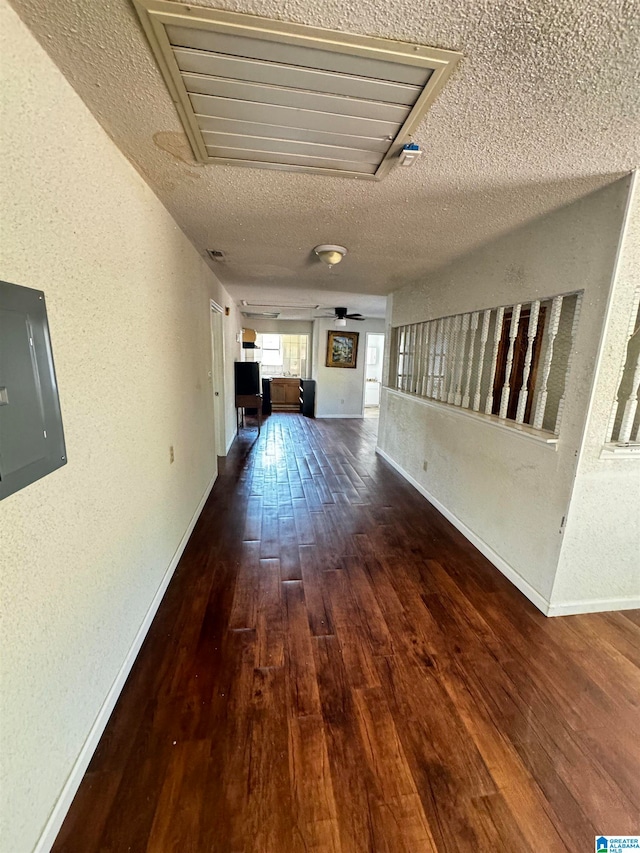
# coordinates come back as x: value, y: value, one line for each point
x: 330, y: 254
x: 341, y: 321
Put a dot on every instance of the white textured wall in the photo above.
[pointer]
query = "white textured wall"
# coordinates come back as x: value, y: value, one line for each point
x: 83, y: 551
x: 510, y: 492
x: 340, y: 390
x: 600, y: 556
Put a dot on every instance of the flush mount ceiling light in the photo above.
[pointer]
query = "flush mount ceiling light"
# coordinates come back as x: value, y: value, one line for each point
x: 331, y: 255
x: 256, y: 92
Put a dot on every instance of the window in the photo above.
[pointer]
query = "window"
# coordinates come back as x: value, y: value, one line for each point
x: 511, y: 361
x: 281, y: 355
x: 271, y: 347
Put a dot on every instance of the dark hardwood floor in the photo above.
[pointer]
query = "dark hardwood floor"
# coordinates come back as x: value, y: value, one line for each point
x: 335, y: 668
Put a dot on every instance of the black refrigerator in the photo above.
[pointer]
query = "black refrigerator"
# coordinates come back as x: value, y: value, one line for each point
x: 247, y: 377
x: 248, y: 380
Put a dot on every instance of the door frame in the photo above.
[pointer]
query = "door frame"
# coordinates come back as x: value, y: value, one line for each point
x: 216, y: 378
x: 364, y: 378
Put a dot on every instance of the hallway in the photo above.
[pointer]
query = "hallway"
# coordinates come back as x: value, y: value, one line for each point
x: 334, y: 668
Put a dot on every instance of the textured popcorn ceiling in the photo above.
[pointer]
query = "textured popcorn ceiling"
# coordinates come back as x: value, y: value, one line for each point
x: 544, y: 108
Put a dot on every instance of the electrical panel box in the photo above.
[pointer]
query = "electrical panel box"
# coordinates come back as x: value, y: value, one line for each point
x: 31, y: 435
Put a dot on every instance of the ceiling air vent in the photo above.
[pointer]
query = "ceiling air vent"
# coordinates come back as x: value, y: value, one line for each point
x: 262, y: 315
x: 255, y: 92
x: 215, y: 254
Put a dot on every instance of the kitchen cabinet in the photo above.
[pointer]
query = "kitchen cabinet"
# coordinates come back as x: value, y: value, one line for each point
x: 285, y: 394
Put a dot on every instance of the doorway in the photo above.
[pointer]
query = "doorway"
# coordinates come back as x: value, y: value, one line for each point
x: 216, y: 378
x: 373, y: 373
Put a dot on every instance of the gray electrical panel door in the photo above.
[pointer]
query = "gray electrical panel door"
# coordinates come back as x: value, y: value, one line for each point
x: 31, y: 436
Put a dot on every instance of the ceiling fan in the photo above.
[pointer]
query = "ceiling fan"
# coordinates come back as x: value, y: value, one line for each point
x: 340, y: 316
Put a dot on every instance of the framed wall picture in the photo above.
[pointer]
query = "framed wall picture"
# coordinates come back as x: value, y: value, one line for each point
x: 342, y: 349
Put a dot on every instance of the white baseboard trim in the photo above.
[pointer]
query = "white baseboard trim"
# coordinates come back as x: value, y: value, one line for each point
x: 508, y: 571
x: 320, y: 417
x: 602, y: 605
x: 59, y: 812
x: 231, y: 440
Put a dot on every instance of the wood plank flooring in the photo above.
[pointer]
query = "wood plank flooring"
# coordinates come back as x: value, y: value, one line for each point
x: 335, y: 669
